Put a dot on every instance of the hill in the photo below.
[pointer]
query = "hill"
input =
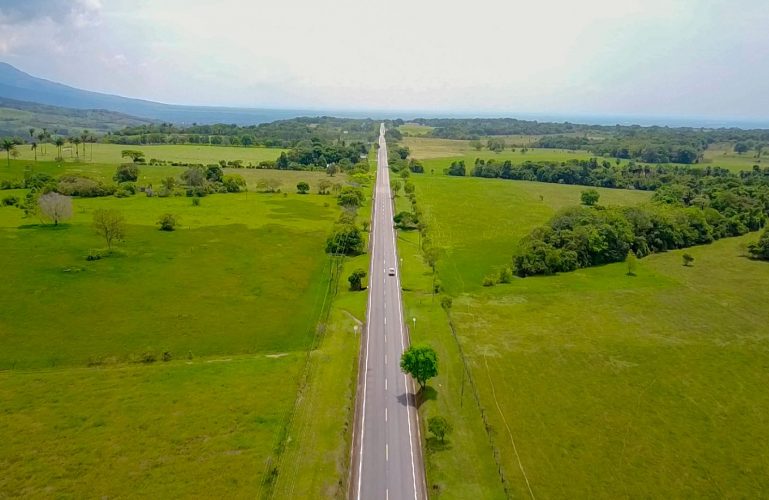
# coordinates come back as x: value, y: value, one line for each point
x: 16, y: 117
x: 20, y: 86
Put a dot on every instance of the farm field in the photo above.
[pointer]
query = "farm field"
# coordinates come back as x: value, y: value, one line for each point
x: 438, y: 154
x: 152, y: 175
x: 185, y: 153
x: 480, y: 221
x: 214, y: 324
x: 605, y: 385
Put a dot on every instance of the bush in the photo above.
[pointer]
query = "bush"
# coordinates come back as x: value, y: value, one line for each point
x: 93, y: 255
x: 72, y: 185
x: 11, y: 201
x: 148, y: 357
x: 167, y: 222
x: 302, y: 187
x: 196, y: 202
x: 126, y: 172
x: 446, y: 302
x: 505, y: 275
x: 356, y: 279
x: 233, y: 183
x: 489, y: 280
x: 760, y: 249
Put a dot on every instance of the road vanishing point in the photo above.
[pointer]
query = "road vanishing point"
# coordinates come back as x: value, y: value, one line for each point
x: 387, y: 455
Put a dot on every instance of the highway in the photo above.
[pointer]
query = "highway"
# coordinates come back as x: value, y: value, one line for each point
x: 387, y: 458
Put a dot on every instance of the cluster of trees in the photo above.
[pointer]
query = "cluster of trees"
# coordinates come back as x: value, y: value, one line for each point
x: 679, y: 217
x: 346, y: 238
x: 317, y: 154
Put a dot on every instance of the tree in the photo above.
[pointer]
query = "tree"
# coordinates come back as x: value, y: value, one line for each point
x: 55, y: 207
x: 302, y: 187
x: 345, y: 240
x: 214, y: 173
x: 110, y: 224
x: 632, y: 263
x: 134, y: 155
x: 59, y: 142
x: 324, y: 186
x: 439, y: 427
x: 233, y: 183
x: 283, y: 162
x: 194, y: 176
x: 356, y: 279
x: 590, y: 197
x: 760, y: 249
x: 688, y: 259
x: 421, y: 362
x: 126, y: 172
x: 741, y: 147
x: 34, y: 148
x: 8, y: 145
x: 167, y: 222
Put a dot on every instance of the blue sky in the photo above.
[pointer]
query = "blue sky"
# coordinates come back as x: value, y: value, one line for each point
x: 702, y: 58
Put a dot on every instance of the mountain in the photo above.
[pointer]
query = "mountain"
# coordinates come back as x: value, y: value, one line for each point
x: 20, y: 86
x: 16, y: 118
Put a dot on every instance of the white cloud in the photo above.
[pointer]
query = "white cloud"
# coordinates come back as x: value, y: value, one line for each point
x: 694, y: 57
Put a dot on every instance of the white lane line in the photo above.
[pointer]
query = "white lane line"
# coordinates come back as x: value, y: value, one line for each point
x: 385, y: 358
x: 385, y: 384
x: 387, y: 452
x: 385, y: 320
x: 385, y: 414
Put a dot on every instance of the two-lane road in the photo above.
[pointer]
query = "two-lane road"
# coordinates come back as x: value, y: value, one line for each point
x: 387, y: 457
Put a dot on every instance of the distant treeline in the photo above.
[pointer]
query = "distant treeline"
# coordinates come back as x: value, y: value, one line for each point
x: 647, y: 144
x: 279, y: 134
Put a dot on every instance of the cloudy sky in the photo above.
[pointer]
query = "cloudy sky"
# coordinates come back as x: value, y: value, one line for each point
x: 703, y: 58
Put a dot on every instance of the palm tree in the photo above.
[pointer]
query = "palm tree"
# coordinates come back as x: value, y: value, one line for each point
x: 59, y: 143
x: 84, y: 139
x: 76, y: 141
x: 40, y: 138
x: 34, y: 148
x: 8, y: 145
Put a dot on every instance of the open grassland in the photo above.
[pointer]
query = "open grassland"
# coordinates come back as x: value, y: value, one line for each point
x: 170, y: 430
x: 240, y: 297
x: 185, y: 153
x: 242, y: 275
x: 438, y: 154
x: 609, y: 385
x: 153, y: 174
x: 480, y: 221
x: 723, y: 155
x: 414, y: 129
x: 594, y: 383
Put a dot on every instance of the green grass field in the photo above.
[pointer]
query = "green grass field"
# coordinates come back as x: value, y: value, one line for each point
x: 186, y: 153
x: 414, y: 129
x: 438, y: 154
x: 234, y: 295
x: 594, y: 383
x: 467, y: 215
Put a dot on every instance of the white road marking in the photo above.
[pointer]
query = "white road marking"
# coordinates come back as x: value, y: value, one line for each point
x: 387, y: 452
x: 385, y: 384
x: 385, y: 358
x: 385, y: 414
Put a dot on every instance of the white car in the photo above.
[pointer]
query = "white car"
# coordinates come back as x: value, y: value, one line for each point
x: 391, y: 271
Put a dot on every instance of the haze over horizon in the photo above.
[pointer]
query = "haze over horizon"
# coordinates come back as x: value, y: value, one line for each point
x: 692, y: 59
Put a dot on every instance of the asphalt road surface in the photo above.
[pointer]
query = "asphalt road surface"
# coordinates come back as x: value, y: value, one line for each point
x: 387, y: 458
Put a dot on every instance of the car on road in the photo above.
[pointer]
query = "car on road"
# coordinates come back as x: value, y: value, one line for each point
x: 391, y: 271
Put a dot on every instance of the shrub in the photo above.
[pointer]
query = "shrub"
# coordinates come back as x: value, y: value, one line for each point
x: 688, y: 259
x: 11, y: 201
x: 148, y: 357
x: 93, y: 255
x: 167, y: 222
x: 505, y: 275
x: 356, y: 279
x: 760, y: 249
x: 126, y: 172
x: 233, y: 183
x: 446, y: 302
x: 196, y: 202
x: 489, y: 280
x: 302, y: 187
x: 71, y: 185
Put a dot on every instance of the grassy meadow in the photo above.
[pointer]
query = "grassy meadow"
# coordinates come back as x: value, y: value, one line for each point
x: 184, y: 153
x: 438, y: 154
x: 207, y: 359
x: 593, y: 383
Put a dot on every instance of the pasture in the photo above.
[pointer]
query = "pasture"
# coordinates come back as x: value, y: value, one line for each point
x: 172, y: 366
x: 437, y: 153
x: 595, y: 383
x: 184, y: 153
